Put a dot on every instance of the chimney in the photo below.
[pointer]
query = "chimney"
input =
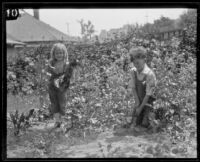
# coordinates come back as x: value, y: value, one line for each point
x: 36, y: 13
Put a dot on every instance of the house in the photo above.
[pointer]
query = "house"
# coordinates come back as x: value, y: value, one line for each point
x: 103, y: 36
x: 94, y: 39
x: 12, y: 47
x: 30, y: 31
x: 112, y: 34
x: 168, y: 33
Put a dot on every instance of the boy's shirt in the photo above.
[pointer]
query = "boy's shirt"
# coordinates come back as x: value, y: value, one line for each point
x: 150, y: 79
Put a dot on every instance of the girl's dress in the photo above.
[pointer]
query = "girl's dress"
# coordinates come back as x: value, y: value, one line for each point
x: 56, y: 95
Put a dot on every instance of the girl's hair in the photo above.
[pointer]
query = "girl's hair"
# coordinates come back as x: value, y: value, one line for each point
x: 61, y: 47
x: 137, y: 52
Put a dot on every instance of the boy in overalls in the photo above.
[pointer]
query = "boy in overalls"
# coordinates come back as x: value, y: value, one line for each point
x: 142, y: 84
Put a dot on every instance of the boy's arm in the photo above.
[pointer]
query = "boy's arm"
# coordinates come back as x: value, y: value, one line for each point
x: 137, y: 102
x: 144, y: 102
x: 131, y: 89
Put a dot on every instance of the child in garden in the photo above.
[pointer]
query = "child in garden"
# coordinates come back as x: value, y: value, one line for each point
x: 57, y: 66
x: 142, y: 84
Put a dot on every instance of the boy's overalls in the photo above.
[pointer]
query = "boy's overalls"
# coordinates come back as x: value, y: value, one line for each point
x: 140, y: 87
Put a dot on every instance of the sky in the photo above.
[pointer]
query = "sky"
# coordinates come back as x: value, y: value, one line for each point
x: 66, y: 20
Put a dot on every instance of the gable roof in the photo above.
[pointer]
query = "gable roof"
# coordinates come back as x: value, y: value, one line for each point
x: 169, y: 29
x: 29, y: 29
x: 174, y: 27
x: 13, y: 41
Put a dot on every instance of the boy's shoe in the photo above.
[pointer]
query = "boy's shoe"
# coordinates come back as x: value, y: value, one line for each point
x: 132, y: 126
x: 140, y: 128
x: 57, y: 125
x: 128, y: 125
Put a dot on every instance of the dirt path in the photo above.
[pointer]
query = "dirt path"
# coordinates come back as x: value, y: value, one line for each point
x: 120, y: 143
x: 120, y: 146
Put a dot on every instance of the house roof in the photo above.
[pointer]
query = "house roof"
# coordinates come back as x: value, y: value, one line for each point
x: 13, y: 41
x: 164, y: 30
x: 29, y: 29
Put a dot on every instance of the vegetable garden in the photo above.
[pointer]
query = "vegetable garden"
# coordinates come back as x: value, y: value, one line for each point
x: 96, y: 98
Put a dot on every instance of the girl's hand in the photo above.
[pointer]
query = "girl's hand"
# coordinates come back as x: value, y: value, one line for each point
x: 138, y: 111
x: 137, y: 103
x: 127, y: 96
x: 56, y: 82
x: 51, y: 69
x: 56, y: 71
x: 62, y: 89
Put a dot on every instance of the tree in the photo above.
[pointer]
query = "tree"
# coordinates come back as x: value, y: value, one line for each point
x: 163, y: 23
x: 188, y: 21
x: 188, y: 18
x: 148, y: 29
x: 87, y: 29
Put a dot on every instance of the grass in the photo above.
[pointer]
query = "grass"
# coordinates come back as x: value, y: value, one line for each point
x: 28, y: 144
x: 21, y: 104
x: 42, y: 144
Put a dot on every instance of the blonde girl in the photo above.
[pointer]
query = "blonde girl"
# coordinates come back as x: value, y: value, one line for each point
x: 57, y: 67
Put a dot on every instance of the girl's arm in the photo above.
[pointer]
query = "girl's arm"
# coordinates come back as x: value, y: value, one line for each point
x: 50, y: 69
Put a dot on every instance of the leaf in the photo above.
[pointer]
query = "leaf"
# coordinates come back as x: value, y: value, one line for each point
x: 150, y: 150
x: 98, y: 104
x: 93, y: 121
x: 100, y: 145
x: 171, y: 111
x: 175, y: 150
x: 109, y: 146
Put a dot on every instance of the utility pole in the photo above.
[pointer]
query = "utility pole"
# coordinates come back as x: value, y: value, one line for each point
x: 67, y: 27
x: 147, y: 21
x: 147, y: 17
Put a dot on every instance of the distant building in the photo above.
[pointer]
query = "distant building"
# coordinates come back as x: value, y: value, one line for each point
x: 103, y: 35
x: 94, y: 39
x: 171, y: 33
x: 115, y: 33
x: 12, y: 47
x: 29, y: 31
x: 167, y: 33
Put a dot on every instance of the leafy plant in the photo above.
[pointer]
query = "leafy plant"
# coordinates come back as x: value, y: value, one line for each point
x: 21, y: 121
x: 96, y: 99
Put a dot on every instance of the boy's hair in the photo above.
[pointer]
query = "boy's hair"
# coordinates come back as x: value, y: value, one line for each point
x: 137, y: 52
x: 61, y: 47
